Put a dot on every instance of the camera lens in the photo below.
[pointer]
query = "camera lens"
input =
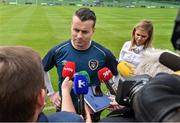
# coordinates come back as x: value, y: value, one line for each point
x: 129, y: 87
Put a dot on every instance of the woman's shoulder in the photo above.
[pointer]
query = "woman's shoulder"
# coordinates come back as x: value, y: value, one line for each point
x: 127, y: 44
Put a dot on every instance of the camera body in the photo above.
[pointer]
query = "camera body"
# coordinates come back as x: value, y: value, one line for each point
x: 129, y: 87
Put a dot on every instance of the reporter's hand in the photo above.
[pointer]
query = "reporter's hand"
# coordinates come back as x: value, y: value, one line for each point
x: 88, y: 112
x: 66, y: 85
x: 67, y: 104
x: 55, y: 99
x: 114, y: 105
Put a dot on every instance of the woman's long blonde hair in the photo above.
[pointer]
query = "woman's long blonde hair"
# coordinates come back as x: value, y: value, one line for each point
x: 145, y: 25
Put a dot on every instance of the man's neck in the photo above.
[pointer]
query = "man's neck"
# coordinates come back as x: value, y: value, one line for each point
x: 80, y: 48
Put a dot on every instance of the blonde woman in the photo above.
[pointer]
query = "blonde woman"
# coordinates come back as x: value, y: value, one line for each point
x: 142, y: 36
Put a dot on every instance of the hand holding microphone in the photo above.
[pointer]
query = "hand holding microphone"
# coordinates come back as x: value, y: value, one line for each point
x: 68, y: 70
x: 80, y: 88
x: 105, y: 75
x: 68, y: 73
x: 67, y: 104
x: 67, y: 85
x: 125, y: 69
x: 85, y: 73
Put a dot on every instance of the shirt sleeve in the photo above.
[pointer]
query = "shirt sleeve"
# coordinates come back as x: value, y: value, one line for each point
x: 112, y: 62
x: 124, y: 49
x: 129, y: 56
x: 49, y: 60
x: 48, y: 83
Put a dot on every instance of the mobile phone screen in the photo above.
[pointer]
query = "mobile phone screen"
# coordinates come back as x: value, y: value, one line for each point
x: 96, y: 91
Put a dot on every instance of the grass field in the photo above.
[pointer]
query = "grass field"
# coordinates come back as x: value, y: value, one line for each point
x: 42, y: 27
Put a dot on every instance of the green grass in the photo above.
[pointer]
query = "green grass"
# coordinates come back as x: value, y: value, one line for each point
x: 42, y: 27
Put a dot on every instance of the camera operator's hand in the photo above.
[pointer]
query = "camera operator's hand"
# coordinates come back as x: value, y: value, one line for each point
x: 114, y: 105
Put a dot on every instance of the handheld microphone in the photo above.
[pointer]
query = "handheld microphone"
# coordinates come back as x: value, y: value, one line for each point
x: 125, y: 69
x: 106, y: 75
x: 85, y: 73
x: 68, y: 70
x: 170, y: 60
x: 80, y: 88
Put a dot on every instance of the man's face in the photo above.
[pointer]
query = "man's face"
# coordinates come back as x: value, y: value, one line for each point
x: 81, y: 33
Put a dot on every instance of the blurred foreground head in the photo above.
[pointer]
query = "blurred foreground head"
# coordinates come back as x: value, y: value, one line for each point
x: 22, y: 84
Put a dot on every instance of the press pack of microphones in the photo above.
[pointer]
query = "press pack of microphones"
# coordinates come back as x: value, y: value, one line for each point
x: 82, y: 82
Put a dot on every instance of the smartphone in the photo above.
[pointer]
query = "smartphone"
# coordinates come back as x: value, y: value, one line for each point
x: 96, y: 91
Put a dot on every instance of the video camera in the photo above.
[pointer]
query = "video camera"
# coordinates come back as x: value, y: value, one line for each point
x: 129, y: 87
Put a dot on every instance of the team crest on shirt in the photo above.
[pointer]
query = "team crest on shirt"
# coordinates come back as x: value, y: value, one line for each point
x: 93, y: 64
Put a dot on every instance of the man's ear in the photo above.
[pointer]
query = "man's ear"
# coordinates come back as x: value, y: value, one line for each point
x: 41, y: 98
x: 94, y: 29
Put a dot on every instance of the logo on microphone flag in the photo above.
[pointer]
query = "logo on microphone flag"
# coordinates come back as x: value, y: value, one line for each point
x: 80, y: 84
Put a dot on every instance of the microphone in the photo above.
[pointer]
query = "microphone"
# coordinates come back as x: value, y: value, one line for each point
x: 106, y: 75
x: 125, y: 69
x: 170, y: 60
x: 80, y: 88
x: 68, y: 70
x: 95, y: 89
x: 85, y: 73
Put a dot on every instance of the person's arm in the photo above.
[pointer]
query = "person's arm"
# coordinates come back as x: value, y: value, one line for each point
x: 54, y: 96
x: 130, y: 57
x: 88, y: 114
x: 67, y: 104
x: 116, y: 79
x: 123, y: 50
x: 48, y: 83
x: 114, y: 105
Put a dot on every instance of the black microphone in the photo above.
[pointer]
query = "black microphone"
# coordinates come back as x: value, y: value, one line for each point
x: 80, y: 88
x: 170, y: 60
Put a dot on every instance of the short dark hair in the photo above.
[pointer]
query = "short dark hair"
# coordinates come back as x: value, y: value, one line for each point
x: 21, y: 80
x: 85, y: 14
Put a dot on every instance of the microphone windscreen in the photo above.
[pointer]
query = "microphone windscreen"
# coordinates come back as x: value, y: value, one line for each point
x: 68, y: 70
x: 80, y: 84
x: 125, y: 69
x: 105, y: 74
x: 85, y: 73
x: 170, y: 60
